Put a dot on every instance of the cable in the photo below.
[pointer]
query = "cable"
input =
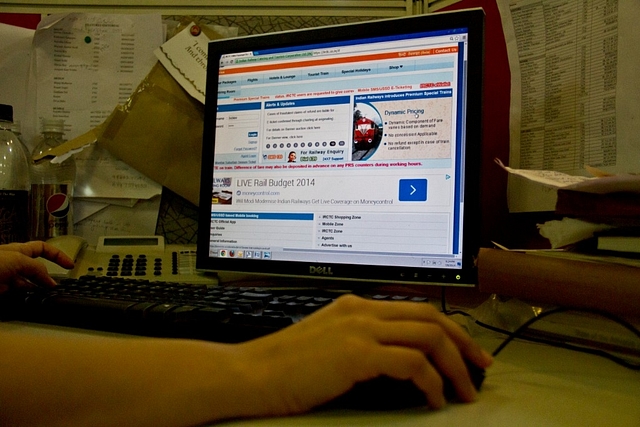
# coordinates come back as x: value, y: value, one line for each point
x: 443, y: 305
x: 518, y: 333
x: 520, y: 330
x: 596, y: 352
x: 547, y: 313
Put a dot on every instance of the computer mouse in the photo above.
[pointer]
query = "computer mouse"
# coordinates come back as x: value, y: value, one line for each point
x: 385, y: 393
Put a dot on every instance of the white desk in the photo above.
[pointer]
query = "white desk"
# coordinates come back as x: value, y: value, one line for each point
x: 528, y: 385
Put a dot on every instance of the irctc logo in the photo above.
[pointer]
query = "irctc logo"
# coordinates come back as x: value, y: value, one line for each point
x: 58, y: 205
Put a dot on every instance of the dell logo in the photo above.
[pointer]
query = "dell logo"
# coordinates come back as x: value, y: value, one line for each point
x: 325, y: 271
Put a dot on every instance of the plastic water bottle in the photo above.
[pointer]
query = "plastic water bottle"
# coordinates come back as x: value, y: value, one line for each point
x: 14, y: 182
x: 16, y: 128
x: 51, y: 187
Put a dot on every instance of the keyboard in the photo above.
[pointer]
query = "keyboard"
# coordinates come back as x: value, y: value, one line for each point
x: 166, y: 309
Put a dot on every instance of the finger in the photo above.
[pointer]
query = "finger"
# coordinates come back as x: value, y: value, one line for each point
x: 433, y: 341
x: 392, y: 310
x: 55, y: 255
x: 34, y: 272
x: 31, y: 249
x: 404, y: 310
x: 404, y: 363
x: 11, y: 247
x: 22, y: 283
x: 36, y: 248
x: 450, y: 363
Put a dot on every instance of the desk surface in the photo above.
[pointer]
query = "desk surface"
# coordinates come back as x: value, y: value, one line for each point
x: 528, y: 385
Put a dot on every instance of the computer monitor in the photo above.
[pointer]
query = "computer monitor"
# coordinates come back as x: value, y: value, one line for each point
x: 346, y: 152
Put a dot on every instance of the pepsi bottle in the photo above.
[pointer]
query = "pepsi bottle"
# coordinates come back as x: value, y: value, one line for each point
x: 52, y: 184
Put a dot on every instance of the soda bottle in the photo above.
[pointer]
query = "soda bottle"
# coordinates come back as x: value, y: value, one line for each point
x: 51, y: 186
x: 14, y: 182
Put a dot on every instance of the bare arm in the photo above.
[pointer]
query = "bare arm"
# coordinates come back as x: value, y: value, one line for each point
x: 141, y: 381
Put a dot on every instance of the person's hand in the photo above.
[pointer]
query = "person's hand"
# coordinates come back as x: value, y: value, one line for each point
x: 146, y: 381
x: 19, y: 269
x: 353, y: 340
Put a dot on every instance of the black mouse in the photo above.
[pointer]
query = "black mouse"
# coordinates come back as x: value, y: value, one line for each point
x: 384, y: 393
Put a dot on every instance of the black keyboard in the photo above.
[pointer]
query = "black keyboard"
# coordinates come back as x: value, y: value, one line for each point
x: 153, y: 308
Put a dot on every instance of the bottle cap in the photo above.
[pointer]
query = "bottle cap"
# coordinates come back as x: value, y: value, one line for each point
x: 6, y: 112
x: 53, y: 125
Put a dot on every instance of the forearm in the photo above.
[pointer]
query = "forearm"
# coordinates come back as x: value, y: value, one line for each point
x: 86, y: 380
x: 73, y: 379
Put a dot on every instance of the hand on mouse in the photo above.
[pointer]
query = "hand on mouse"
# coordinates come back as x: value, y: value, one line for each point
x: 146, y: 381
x: 18, y: 268
x: 354, y: 340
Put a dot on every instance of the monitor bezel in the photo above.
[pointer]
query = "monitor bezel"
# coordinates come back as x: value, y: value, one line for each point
x: 473, y: 19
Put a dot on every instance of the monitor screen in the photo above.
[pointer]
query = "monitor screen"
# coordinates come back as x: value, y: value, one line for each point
x: 345, y: 152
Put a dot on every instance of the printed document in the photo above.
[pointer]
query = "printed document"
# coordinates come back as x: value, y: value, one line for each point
x: 85, y: 66
x: 575, y: 94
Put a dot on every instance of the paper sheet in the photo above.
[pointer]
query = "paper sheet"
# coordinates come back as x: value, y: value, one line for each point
x: 114, y: 220
x: 550, y: 179
x: 627, y: 183
x: 83, y: 208
x: 575, y: 92
x: 15, y: 56
x: 185, y: 57
x: 85, y: 65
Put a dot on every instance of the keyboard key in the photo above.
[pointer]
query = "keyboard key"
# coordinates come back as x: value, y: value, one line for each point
x: 262, y: 296
x: 310, y: 307
x: 260, y: 321
x: 159, y: 312
x: 183, y: 314
x: 211, y: 314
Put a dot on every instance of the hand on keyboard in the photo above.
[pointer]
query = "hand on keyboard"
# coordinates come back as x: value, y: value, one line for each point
x: 19, y: 269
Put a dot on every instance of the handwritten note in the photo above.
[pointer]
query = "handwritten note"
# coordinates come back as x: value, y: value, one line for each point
x: 185, y: 57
